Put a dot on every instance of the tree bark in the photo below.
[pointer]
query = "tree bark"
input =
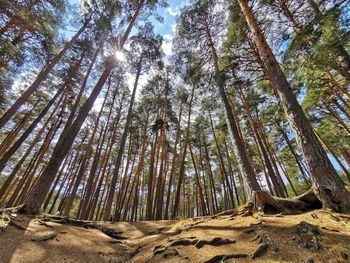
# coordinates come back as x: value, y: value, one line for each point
x: 28, y: 131
x: 38, y: 195
x: 40, y: 78
x: 108, y: 207
x: 183, y: 158
x: 173, y: 164
x: 327, y: 185
x: 198, y: 183
x: 244, y: 162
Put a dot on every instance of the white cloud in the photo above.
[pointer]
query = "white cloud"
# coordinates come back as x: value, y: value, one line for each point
x: 168, y: 37
x: 173, y: 28
x: 167, y: 47
x: 98, y: 104
x: 172, y: 12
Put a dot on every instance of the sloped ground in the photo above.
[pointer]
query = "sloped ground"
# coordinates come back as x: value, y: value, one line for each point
x: 318, y: 236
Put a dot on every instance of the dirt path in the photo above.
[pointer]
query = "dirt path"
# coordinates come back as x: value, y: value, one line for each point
x: 318, y: 236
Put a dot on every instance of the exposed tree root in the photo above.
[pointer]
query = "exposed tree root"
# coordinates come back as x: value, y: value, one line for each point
x: 7, y: 218
x: 45, y: 237
x: 225, y: 257
x: 265, y: 202
x: 217, y: 241
x: 86, y: 224
x: 261, y: 250
x: 184, y: 242
x: 246, y: 210
x: 4, y: 221
x: 11, y: 209
x: 16, y: 225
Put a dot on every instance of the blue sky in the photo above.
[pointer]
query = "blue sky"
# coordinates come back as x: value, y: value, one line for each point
x: 167, y: 27
x: 169, y: 13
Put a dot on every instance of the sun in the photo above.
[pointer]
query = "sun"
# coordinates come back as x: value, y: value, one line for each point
x: 120, y: 56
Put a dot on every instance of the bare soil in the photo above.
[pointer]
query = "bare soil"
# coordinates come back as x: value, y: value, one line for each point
x: 318, y: 236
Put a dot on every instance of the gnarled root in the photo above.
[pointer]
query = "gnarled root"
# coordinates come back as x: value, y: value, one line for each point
x: 265, y: 202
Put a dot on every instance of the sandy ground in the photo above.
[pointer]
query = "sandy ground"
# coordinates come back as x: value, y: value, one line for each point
x: 193, y: 240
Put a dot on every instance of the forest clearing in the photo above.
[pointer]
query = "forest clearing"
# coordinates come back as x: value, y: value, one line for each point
x: 174, y: 131
x: 319, y: 236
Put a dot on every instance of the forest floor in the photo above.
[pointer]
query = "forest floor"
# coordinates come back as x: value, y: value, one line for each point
x: 318, y: 236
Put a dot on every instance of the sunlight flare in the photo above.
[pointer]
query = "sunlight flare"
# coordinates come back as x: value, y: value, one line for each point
x: 120, y: 56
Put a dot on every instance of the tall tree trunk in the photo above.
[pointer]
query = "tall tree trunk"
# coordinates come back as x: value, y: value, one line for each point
x: 150, y: 183
x: 89, y: 184
x: 183, y: 158
x: 230, y: 164
x: 221, y: 162
x: 211, y: 178
x: 124, y: 184
x: 27, y: 178
x: 328, y: 187
x: 65, y: 179
x: 139, y: 169
x: 244, y: 160
x: 85, y: 160
x: 173, y: 164
x: 15, y: 170
x: 108, y: 207
x: 254, y: 125
x: 163, y: 160
x: 40, y: 78
x: 292, y: 150
x: 161, y: 176
x: 28, y: 131
x: 38, y: 195
x: 127, y: 181
x: 342, y: 166
x: 198, y: 183
x: 15, y: 19
x: 11, y: 136
x: 75, y: 106
x: 64, y: 166
x: 277, y: 179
